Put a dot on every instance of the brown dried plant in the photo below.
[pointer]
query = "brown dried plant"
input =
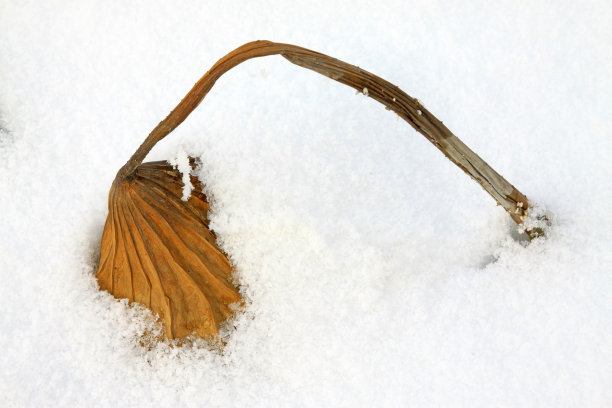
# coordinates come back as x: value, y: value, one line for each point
x: 157, y: 250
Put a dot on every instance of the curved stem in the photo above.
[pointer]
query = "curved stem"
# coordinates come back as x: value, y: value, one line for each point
x: 408, y: 108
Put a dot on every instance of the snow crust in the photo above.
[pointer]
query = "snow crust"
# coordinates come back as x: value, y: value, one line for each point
x: 181, y: 162
x: 375, y: 272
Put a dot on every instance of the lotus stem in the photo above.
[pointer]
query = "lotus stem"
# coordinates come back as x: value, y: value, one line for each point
x: 410, y: 109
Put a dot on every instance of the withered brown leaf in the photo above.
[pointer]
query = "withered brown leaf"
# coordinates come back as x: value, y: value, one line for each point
x: 157, y: 250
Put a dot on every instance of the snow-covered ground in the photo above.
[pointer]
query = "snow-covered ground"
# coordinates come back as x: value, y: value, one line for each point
x: 376, y: 272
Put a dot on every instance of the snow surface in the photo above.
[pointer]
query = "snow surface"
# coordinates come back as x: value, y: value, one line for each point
x: 181, y: 162
x: 376, y: 273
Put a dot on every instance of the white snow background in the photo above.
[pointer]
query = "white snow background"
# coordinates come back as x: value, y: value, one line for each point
x: 376, y: 273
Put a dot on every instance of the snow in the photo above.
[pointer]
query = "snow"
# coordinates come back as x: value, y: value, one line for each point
x: 375, y: 272
x: 181, y: 162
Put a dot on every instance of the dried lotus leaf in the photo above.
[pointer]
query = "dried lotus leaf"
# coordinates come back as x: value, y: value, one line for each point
x: 157, y: 250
